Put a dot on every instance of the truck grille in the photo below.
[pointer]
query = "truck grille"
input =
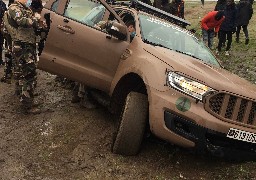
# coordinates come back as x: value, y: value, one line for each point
x: 232, y: 108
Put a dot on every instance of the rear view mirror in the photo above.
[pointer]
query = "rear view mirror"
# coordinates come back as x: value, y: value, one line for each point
x: 117, y: 30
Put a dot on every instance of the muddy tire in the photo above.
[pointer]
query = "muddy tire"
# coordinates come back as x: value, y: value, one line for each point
x: 131, y: 125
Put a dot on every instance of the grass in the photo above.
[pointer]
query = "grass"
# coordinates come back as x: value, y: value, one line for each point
x: 243, y: 57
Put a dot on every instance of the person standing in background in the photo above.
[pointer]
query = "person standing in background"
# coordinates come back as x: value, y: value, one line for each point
x: 220, y: 5
x: 227, y: 27
x: 177, y: 8
x: 244, y: 14
x: 210, y: 25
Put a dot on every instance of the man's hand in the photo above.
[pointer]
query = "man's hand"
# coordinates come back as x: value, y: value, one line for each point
x: 43, y: 24
x: 37, y: 16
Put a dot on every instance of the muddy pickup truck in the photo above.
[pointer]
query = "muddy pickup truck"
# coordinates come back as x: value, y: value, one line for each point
x: 165, y: 77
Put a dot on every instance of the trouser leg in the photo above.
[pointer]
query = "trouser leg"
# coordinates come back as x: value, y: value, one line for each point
x: 222, y: 37
x: 25, y: 72
x: 229, y: 39
x: 210, y: 39
x: 238, y: 28
x: 1, y: 47
x: 245, y: 30
x: 8, y: 65
x: 205, y: 36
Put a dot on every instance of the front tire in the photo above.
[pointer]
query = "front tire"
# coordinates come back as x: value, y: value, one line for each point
x: 132, y: 123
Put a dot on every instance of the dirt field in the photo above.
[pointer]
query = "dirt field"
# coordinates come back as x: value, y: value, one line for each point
x: 67, y: 142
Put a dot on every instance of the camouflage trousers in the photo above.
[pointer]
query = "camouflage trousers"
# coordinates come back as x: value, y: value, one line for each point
x: 24, y: 71
x: 8, y: 56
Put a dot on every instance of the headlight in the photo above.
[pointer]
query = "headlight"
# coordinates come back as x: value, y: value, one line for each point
x: 187, y: 86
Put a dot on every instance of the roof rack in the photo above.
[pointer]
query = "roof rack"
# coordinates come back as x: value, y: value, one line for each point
x: 152, y: 10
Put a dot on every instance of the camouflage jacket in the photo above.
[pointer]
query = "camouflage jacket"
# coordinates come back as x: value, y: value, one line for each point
x: 20, y: 23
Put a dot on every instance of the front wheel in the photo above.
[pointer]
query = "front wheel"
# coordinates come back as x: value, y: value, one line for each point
x: 132, y: 123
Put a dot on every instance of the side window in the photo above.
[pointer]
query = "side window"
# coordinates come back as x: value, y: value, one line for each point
x: 55, y: 5
x: 86, y: 11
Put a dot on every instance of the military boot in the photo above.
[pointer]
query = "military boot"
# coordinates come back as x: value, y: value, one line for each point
x: 29, y: 107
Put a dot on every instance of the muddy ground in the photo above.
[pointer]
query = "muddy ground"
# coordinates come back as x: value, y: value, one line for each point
x: 69, y: 142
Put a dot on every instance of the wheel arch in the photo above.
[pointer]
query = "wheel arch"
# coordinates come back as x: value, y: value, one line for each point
x: 127, y: 83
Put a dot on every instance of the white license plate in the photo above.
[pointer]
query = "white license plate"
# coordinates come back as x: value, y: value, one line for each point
x: 241, y: 135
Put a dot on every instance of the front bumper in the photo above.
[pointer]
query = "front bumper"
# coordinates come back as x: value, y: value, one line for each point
x: 194, y: 128
x: 207, y: 140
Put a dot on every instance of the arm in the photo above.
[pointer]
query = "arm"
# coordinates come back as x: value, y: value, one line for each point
x: 17, y: 15
x: 204, y: 22
x: 217, y: 28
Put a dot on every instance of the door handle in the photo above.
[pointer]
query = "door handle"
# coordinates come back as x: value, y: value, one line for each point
x: 65, y: 20
x: 66, y: 29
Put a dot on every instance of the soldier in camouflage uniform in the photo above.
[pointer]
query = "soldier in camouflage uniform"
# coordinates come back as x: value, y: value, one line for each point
x: 36, y: 7
x: 20, y: 22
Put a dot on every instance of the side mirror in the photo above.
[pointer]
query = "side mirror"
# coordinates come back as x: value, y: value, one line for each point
x: 117, y: 30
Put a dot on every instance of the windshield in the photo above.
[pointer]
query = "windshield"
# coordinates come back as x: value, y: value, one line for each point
x: 161, y: 33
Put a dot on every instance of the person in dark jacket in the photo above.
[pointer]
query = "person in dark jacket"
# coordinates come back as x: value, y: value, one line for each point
x: 177, y: 8
x: 228, y: 26
x: 244, y: 14
x: 220, y: 5
x: 36, y: 6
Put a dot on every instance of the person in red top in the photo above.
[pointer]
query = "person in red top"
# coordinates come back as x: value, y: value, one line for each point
x: 210, y: 25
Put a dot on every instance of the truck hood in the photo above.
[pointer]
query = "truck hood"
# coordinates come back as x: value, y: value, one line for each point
x: 214, y: 77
